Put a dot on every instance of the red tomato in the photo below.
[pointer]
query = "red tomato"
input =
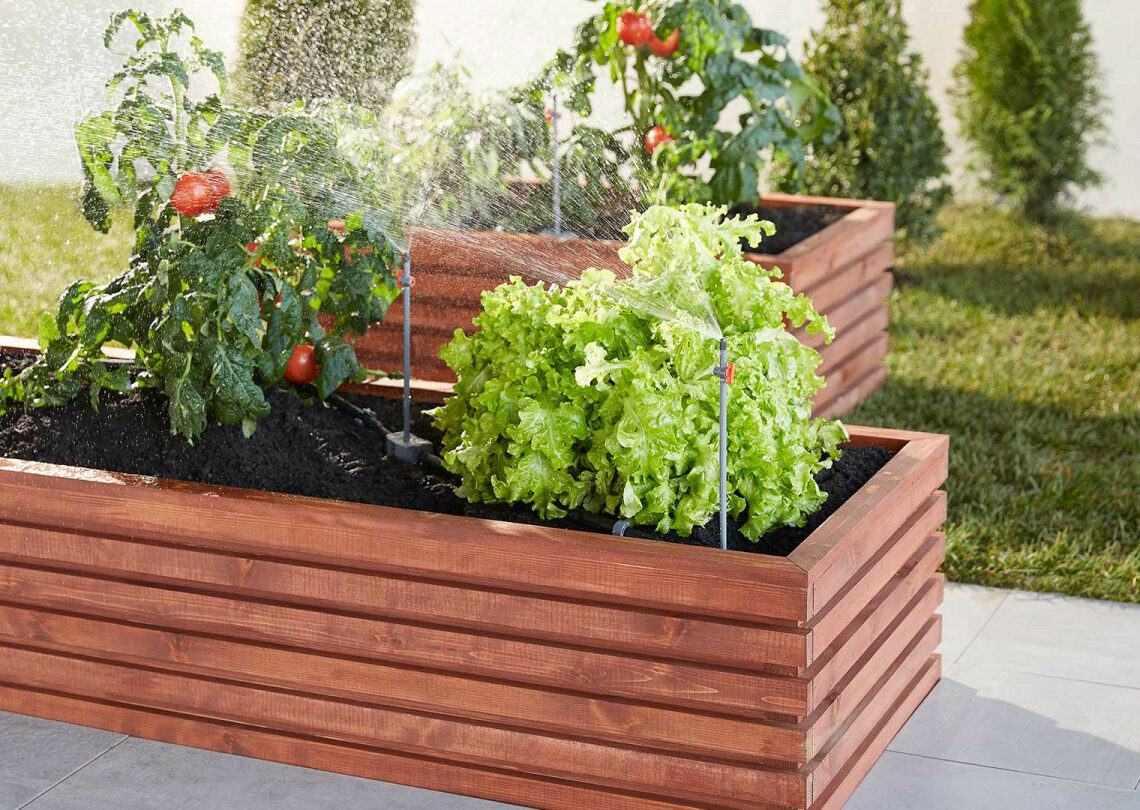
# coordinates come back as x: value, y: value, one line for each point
x: 252, y: 248
x: 193, y: 195
x: 219, y: 183
x: 656, y: 137
x: 633, y: 28
x: 302, y: 368
x: 666, y: 47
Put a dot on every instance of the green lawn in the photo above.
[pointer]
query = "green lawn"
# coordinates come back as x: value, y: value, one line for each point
x: 1025, y: 348
x: 45, y: 244
x: 1023, y: 345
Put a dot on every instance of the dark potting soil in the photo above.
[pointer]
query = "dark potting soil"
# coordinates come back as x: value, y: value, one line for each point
x: 305, y: 448
x: 794, y: 223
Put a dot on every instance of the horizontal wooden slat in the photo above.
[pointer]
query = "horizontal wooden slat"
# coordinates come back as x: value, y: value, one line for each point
x: 874, y: 619
x: 487, y: 745
x: 515, y: 614
x: 822, y: 254
x: 487, y: 553
x: 856, y: 392
x: 653, y: 680
x: 886, y: 503
x: 363, y: 761
x: 914, y: 620
x: 833, y: 290
x: 419, y: 690
x: 859, y: 355
x: 847, y: 373
x: 896, y: 685
x: 858, y: 307
x: 833, y: 618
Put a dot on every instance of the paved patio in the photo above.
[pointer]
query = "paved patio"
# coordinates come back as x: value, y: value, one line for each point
x: 1039, y: 709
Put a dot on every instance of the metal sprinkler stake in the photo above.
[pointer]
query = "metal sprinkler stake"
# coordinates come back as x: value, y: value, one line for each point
x: 405, y: 447
x: 725, y: 371
x: 557, y: 178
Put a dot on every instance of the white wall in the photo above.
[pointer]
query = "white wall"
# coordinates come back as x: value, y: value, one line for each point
x: 52, y: 65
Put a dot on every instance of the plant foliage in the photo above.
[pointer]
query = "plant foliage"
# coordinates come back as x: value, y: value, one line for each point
x: 722, y: 59
x: 592, y: 396
x: 305, y: 50
x: 212, y: 305
x: 1027, y: 95
x: 891, y: 146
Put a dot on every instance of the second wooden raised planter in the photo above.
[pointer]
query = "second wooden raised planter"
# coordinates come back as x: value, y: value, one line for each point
x: 845, y: 269
x: 531, y: 665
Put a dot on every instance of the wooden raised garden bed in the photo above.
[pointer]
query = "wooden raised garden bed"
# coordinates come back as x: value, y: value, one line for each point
x: 526, y: 664
x: 844, y: 268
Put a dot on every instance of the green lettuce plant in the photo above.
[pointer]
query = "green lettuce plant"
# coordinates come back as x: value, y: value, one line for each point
x: 601, y: 395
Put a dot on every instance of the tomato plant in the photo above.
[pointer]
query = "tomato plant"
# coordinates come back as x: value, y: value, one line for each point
x: 302, y: 367
x: 633, y: 28
x: 189, y: 303
x: 194, y: 194
x: 667, y: 46
x: 656, y: 136
x: 725, y: 60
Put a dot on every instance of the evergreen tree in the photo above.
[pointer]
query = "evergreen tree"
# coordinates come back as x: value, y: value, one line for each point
x: 301, y: 50
x: 891, y: 146
x: 1028, y: 98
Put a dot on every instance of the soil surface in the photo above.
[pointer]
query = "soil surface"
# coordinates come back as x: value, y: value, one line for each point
x: 794, y: 223
x: 306, y: 448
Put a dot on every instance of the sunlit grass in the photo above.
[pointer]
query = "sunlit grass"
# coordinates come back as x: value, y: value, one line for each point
x: 1024, y: 346
x: 45, y: 244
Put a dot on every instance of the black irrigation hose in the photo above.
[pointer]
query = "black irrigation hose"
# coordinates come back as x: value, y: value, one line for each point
x: 597, y: 522
x: 369, y: 418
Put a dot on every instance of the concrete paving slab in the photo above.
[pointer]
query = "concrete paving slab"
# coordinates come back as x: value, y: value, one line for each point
x: 1030, y: 723
x: 146, y: 775
x: 966, y: 609
x: 36, y: 754
x: 1062, y: 636
x: 906, y: 782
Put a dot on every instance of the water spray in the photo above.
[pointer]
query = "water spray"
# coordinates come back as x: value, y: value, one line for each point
x: 404, y: 446
x: 726, y: 371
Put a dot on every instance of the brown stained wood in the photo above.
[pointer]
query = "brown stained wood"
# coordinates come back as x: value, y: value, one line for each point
x: 513, y: 614
x: 844, y: 784
x: 512, y: 662
x: 832, y: 619
x: 835, y: 551
x: 856, y: 308
x: 362, y: 761
x: 415, y: 690
x: 824, y: 253
x: 833, y: 290
x: 859, y: 391
x: 487, y: 553
x: 895, y: 685
x: 917, y: 621
x: 650, y: 680
x: 486, y: 745
x: 852, y: 369
x: 855, y: 355
x: 853, y: 338
x: 893, y: 602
